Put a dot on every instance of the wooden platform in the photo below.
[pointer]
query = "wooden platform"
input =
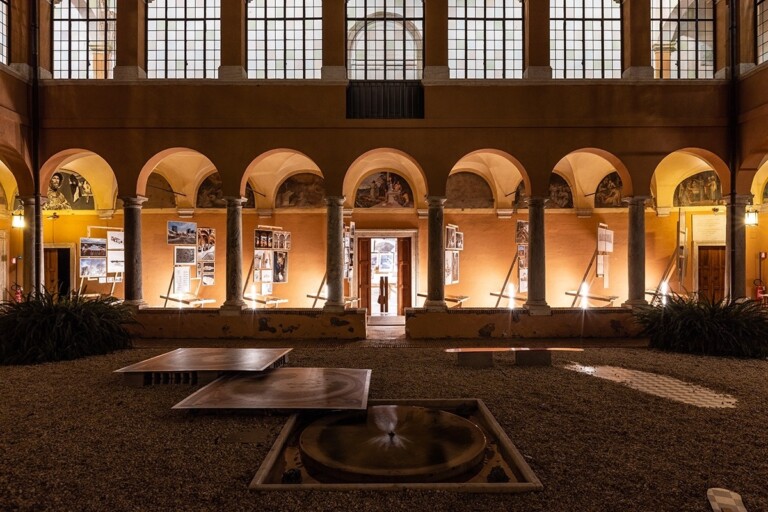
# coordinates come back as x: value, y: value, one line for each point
x: 482, y: 357
x: 202, y: 365
x: 285, y: 388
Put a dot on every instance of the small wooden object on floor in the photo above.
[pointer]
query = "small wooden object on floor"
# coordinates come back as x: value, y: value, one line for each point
x: 723, y: 500
x: 482, y: 357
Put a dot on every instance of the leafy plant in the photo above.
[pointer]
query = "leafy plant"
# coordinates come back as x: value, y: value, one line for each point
x: 53, y: 327
x: 703, y: 326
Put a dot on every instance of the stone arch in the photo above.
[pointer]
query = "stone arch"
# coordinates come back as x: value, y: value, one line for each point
x: 18, y: 172
x: 183, y: 168
x: 94, y: 168
x: 381, y: 160
x: 270, y: 169
x: 503, y: 172
x: 760, y: 183
x: 681, y: 165
x: 585, y: 168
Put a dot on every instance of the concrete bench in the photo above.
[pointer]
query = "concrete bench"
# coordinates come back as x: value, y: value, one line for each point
x: 482, y: 357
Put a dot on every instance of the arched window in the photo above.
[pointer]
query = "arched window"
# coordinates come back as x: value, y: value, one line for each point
x: 485, y: 38
x: 5, y: 32
x: 84, y: 40
x: 761, y: 13
x: 683, y: 38
x: 183, y: 38
x: 285, y: 38
x: 585, y: 38
x: 385, y: 39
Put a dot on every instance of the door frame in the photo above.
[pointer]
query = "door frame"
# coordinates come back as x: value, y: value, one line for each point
x: 4, y: 259
x: 695, y: 258
x: 74, y: 277
x: 413, y: 234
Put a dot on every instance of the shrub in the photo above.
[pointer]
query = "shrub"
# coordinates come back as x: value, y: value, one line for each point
x: 703, y: 326
x: 53, y: 327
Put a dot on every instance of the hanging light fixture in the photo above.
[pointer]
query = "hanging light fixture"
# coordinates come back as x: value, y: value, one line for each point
x: 17, y: 219
x: 750, y: 217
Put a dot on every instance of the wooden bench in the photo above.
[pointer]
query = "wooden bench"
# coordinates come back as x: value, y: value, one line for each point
x: 482, y: 357
x: 458, y: 300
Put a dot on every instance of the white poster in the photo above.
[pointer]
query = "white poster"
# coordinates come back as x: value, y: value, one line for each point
x: 181, y: 278
x: 604, y: 239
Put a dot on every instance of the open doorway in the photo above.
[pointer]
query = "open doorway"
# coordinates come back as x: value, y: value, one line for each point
x: 385, y: 275
x: 59, y: 267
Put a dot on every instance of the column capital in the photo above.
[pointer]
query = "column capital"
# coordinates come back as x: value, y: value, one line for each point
x: 535, y: 201
x: 641, y: 200
x: 133, y: 201
x: 235, y: 201
x: 435, y: 201
x: 335, y: 200
x: 738, y: 199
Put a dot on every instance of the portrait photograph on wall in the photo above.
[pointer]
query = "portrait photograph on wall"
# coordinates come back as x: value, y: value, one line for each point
x: 521, y: 232
x: 182, y: 233
x: 384, y: 190
x: 280, y: 271
x: 303, y: 190
x: 67, y: 190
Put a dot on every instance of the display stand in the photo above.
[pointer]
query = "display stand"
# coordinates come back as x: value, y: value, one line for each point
x: 117, y: 278
x: 577, y: 293
x: 657, y: 294
x: 190, y: 299
x: 348, y: 301
x: 111, y: 278
x: 501, y: 294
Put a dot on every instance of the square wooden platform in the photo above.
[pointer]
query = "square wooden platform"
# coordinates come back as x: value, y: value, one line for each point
x: 285, y: 388
x: 202, y: 365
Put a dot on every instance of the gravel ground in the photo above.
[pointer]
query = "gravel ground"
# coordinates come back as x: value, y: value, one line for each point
x: 73, y: 437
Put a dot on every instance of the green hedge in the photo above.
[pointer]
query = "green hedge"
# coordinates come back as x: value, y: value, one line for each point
x: 52, y: 327
x: 702, y: 326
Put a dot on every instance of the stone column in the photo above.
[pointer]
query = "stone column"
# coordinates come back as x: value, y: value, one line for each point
x: 334, y: 40
x: 735, y: 243
x: 134, y: 293
x: 233, y: 41
x: 334, y: 260
x: 234, y: 301
x: 536, y: 35
x: 436, y: 40
x: 131, y: 40
x: 636, y: 40
x: 435, y: 255
x: 29, y: 258
x: 537, y: 275
x: 636, y: 251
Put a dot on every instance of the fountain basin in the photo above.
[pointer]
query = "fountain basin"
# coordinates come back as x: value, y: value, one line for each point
x: 458, y: 446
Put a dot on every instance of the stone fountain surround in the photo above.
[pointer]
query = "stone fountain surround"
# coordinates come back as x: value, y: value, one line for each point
x: 270, y: 472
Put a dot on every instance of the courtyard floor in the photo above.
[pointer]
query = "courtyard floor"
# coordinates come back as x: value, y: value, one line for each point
x: 74, y: 437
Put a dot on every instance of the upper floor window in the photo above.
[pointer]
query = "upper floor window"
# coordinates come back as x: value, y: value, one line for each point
x: 485, y: 38
x: 761, y: 13
x: 585, y: 38
x: 683, y: 38
x: 84, y: 38
x: 5, y: 33
x: 285, y: 38
x: 385, y: 39
x: 183, y: 38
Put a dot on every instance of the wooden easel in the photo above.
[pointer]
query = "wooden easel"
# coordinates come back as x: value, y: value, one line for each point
x: 317, y: 295
x: 115, y: 280
x: 193, y: 299
x: 577, y: 293
x: 501, y: 294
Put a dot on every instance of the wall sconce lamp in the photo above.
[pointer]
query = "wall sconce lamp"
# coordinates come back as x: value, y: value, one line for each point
x: 750, y: 218
x: 17, y: 219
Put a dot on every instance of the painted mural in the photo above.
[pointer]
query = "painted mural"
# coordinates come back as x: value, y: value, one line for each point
x: 159, y: 193
x: 384, y: 190
x: 702, y: 189
x: 765, y: 193
x: 303, y: 190
x: 608, y: 192
x: 211, y: 194
x: 468, y: 190
x: 67, y: 190
x: 560, y: 195
x: 521, y: 198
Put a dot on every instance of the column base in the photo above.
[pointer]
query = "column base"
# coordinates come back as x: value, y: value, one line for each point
x: 232, y: 73
x: 436, y: 74
x: 333, y: 308
x: 232, y: 307
x: 638, y: 73
x: 538, y: 309
x: 633, y: 303
x: 135, y: 304
x: 333, y: 73
x: 25, y: 70
x: 435, y: 305
x: 538, y: 73
x: 129, y: 73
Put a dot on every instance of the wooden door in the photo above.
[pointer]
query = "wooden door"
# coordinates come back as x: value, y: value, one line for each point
x: 364, y: 273
x: 712, y: 272
x: 51, y: 259
x: 403, y: 275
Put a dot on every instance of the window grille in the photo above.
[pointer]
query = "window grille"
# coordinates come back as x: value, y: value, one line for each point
x: 761, y: 19
x: 84, y: 40
x: 682, y: 38
x: 5, y: 32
